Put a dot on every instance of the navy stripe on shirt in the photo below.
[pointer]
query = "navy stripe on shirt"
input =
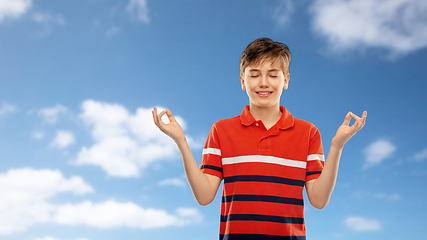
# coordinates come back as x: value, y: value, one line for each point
x: 262, y: 218
x: 258, y: 237
x: 212, y: 167
x: 262, y: 198
x: 260, y: 178
x: 311, y: 173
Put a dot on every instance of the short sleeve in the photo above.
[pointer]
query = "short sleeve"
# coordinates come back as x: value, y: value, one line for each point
x: 211, y: 158
x: 315, y: 157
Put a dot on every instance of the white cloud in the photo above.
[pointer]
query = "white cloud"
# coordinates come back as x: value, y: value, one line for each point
x: 53, y: 238
x: 381, y: 196
x: 47, y: 238
x: 400, y: 26
x: 420, y: 156
x: 13, y: 8
x: 188, y: 216
x: 7, y: 108
x: 24, y: 194
x: 45, y: 18
x: 173, y: 182
x: 283, y: 12
x: 114, y: 214
x: 62, y: 139
x: 51, y: 115
x: 360, y: 224
x: 124, y: 143
x: 377, y: 152
x: 139, y: 9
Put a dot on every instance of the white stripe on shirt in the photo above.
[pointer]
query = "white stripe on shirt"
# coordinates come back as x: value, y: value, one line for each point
x: 264, y: 159
x: 215, y: 151
x: 313, y: 157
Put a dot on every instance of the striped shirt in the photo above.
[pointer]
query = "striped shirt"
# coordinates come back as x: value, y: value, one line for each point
x: 264, y: 173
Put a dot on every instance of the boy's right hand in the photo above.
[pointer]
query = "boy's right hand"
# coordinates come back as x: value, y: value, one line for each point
x: 172, y: 129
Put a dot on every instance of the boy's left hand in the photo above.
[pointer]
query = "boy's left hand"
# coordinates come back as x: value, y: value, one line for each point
x: 345, y: 131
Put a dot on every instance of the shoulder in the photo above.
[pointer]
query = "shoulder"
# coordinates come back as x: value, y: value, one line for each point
x: 227, y: 123
x: 224, y: 127
x: 306, y: 126
x: 298, y: 122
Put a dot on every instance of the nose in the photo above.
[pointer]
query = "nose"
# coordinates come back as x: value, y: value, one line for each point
x: 263, y: 81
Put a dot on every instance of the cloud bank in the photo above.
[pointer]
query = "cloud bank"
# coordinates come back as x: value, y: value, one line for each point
x: 25, y: 195
x: 53, y: 238
x: 124, y: 143
x: 400, y: 26
x: 122, y: 214
x: 14, y: 8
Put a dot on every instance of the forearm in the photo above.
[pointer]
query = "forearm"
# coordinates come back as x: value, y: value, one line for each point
x: 204, y: 187
x: 204, y: 190
x: 321, y: 189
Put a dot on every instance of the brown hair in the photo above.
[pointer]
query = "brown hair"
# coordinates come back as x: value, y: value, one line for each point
x: 265, y: 49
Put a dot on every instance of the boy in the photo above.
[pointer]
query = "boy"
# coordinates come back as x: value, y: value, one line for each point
x: 265, y: 155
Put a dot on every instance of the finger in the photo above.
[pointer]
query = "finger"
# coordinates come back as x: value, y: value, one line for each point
x: 154, y: 112
x: 360, y: 122
x: 157, y: 120
x: 355, y: 116
x: 159, y: 117
x: 156, y: 117
x: 170, y: 116
x: 347, y: 119
x: 363, y: 119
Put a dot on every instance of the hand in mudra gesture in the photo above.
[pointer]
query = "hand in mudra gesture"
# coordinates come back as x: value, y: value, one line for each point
x: 172, y: 129
x: 345, y: 131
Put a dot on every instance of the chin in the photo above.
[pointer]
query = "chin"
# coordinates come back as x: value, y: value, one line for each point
x: 263, y: 105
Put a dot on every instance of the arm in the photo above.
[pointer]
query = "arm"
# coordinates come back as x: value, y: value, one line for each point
x: 204, y: 186
x: 319, y: 190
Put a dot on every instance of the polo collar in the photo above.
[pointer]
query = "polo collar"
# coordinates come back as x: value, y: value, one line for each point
x: 286, y: 120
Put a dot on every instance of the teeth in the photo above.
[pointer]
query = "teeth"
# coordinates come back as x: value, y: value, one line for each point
x: 263, y: 93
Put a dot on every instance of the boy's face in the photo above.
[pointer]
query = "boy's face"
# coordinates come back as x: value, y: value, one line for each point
x: 264, y: 83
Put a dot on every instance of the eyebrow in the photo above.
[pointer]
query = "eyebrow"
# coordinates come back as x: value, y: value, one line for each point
x: 257, y: 70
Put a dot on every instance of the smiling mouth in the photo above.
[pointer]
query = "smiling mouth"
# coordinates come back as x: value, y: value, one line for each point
x: 264, y: 94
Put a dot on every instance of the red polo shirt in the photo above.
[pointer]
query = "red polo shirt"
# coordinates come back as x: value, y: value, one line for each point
x: 264, y: 172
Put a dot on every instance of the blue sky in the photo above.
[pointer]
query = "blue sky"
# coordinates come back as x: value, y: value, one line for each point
x: 80, y: 158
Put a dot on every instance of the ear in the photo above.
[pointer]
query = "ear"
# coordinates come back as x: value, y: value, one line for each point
x: 285, y: 86
x: 242, y: 81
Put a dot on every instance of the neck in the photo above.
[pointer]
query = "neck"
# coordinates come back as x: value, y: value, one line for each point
x: 269, y: 116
